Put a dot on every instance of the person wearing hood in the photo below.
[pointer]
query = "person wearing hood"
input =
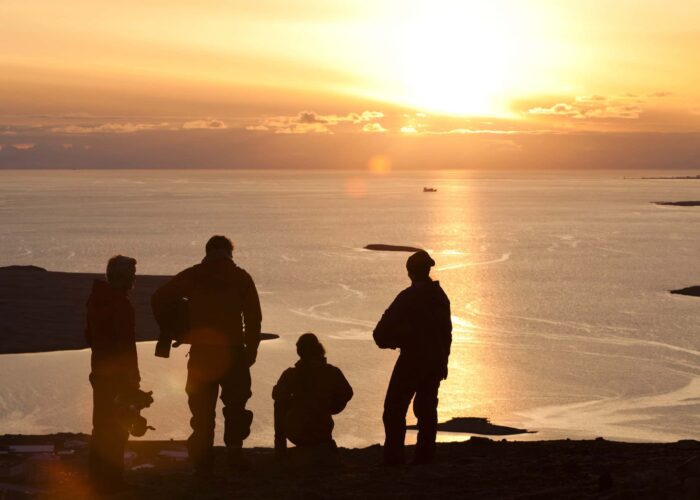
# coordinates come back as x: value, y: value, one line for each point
x: 306, y: 397
x: 224, y: 320
x: 110, y: 334
x: 418, y: 323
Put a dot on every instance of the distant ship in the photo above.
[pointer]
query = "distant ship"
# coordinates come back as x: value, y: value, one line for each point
x: 429, y: 190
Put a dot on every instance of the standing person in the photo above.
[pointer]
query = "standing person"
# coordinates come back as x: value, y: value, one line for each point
x: 418, y: 323
x: 307, y: 396
x: 110, y: 334
x: 224, y: 330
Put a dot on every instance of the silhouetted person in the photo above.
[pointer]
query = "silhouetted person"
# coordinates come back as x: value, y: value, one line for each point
x: 306, y: 396
x: 115, y: 374
x: 418, y: 323
x: 224, y: 330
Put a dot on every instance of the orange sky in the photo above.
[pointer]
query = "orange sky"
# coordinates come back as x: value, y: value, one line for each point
x: 458, y: 75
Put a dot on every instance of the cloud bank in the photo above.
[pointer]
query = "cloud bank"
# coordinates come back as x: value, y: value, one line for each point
x: 594, y: 107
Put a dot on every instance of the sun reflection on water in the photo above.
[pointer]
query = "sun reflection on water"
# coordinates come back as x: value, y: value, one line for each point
x: 464, y: 263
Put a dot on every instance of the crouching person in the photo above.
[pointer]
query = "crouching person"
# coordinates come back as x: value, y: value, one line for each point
x: 306, y: 396
x: 115, y: 374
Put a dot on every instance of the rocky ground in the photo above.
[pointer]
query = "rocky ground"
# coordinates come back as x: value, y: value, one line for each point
x: 477, y: 469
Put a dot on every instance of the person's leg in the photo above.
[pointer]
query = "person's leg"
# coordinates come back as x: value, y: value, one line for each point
x: 100, y: 422
x: 425, y: 409
x: 109, y: 437
x: 115, y: 445
x: 281, y: 409
x: 235, y: 393
x: 201, y: 398
x: 398, y: 398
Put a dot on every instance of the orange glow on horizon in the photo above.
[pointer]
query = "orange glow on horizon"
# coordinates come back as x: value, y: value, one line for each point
x: 542, y: 65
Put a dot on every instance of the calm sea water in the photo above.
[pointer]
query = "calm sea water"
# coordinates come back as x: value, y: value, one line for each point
x: 558, y: 281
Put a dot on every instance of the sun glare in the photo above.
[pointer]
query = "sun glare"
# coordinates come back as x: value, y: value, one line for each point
x: 456, y: 57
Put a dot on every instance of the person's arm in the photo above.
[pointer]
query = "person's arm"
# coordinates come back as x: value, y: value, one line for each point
x: 388, y: 331
x: 252, y: 320
x: 342, y: 392
x: 282, y: 390
x: 446, y: 330
x: 162, y: 301
x: 175, y: 289
x: 126, y: 340
x: 101, y: 339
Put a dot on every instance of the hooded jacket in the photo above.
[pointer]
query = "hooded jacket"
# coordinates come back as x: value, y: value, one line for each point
x: 312, y: 391
x: 110, y: 334
x: 419, y: 323
x: 222, y: 303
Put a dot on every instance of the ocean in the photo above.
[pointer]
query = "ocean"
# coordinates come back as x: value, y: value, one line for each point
x: 558, y: 280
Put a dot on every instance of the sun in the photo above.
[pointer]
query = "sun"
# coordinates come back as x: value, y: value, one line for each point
x: 456, y: 57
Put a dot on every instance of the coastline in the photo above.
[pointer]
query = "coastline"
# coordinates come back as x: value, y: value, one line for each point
x: 44, y: 311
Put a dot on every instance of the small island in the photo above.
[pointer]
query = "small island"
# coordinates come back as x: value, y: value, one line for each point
x: 691, y: 291
x: 677, y: 203
x: 380, y: 247
x: 477, y: 425
x: 677, y: 177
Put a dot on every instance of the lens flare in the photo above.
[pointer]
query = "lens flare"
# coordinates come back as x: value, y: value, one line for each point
x: 379, y: 164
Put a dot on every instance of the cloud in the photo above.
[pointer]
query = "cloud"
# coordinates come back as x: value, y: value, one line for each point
x: 109, y: 128
x: 303, y: 123
x: 373, y: 127
x: 561, y: 109
x: 594, y: 107
x: 365, y: 116
x: 23, y: 146
x: 208, y: 124
x: 407, y: 129
x: 307, y: 121
x: 310, y: 117
x: 660, y: 94
x: 304, y: 128
x: 504, y: 145
x: 480, y: 131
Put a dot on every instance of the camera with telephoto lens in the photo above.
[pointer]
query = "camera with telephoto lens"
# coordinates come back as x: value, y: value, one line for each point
x: 129, y: 406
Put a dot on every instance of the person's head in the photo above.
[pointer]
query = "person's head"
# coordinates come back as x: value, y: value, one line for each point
x: 418, y: 266
x: 219, y: 245
x: 121, y: 272
x: 309, y: 347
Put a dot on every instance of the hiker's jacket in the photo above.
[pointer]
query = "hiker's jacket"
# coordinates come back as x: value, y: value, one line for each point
x: 419, y: 323
x: 311, y: 392
x: 222, y: 304
x: 110, y: 334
